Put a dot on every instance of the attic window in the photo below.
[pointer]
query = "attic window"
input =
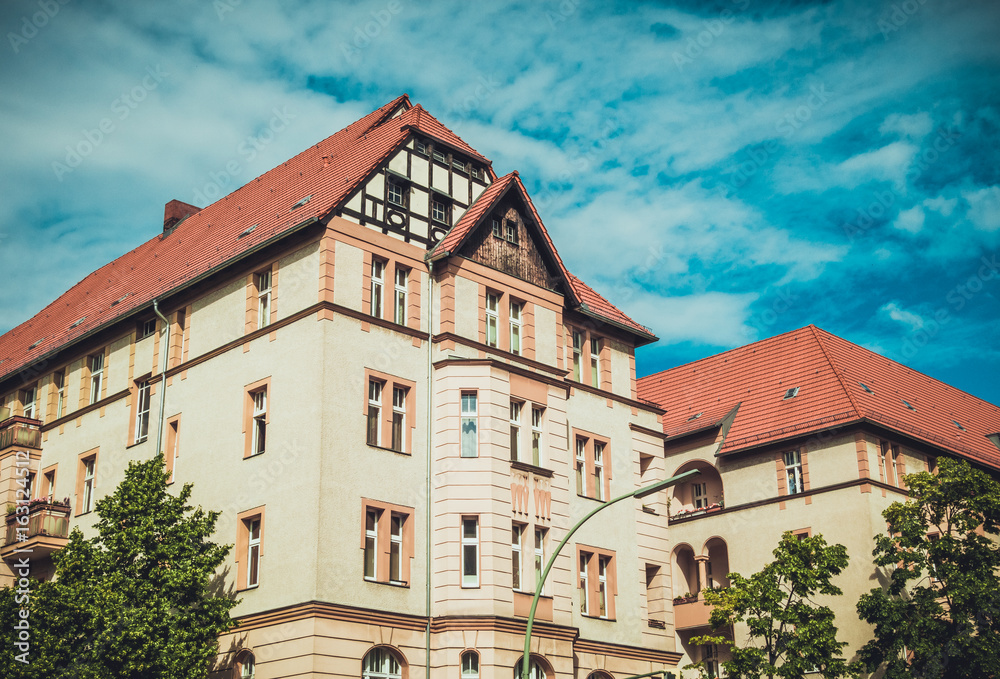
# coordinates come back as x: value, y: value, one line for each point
x: 791, y: 393
x: 247, y: 231
x: 908, y: 404
x: 497, y: 228
x: 302, y: 202
x: 458, y: 165
x: 35, y: 344
x: 510, y: 231
x: 866, y: 388
x: 439, y: 156
x: 83, y: 318
x: 421, y: 147
x: 995, y: 438
x: 959, y: 425
x: 694, y: 417
x: 476, y: 172
x: 440, y: 211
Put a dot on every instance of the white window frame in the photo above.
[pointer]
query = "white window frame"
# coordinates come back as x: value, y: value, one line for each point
x: 469, y: 441
x: 395, y: 192
x: 595, y: 362
x: 537, y: 415
x: 439, y: 211
x: 470, y: 665
x: 89, y: 470
x: 470, y: 551
x: 515, y: 327
x: 699, y: 495
x: 263, y: 283
x: 398, y: 418
x: 258, y: 421
x: 510, y: 231
x: 375, y: 388
x: 581, y: 466
x: 577, y: 356
x: 492, y: 319
x: 793, y: 472
x: 59, y: 379
x: 377, y: 287
x: 253, y: 555
x: 248, y: 667
x: 516, y: 407
x: 517, y: 557
x: 602, y: 586
x: 388, y: 668
x: 142, y: 412
x: 396, y: 521
x: 96, y: 362
x: 30, y: 401
x: 371, y: 538
x: 400, y: 297
x: 599, y: 470
x: 584, y: 566
x: 539, y: 560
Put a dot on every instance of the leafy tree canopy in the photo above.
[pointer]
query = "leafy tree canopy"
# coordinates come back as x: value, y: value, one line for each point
x: 135, y: 601
x: 938, y: 614
x: 789, y: 633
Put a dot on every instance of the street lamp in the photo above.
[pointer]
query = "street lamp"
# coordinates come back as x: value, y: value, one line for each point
x: 640, y: 493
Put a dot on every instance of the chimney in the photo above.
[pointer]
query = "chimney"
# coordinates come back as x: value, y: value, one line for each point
x: 175, y: 211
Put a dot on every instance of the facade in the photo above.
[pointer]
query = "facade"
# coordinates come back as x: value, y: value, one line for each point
x: 373, y: 361
x: 803, y: 432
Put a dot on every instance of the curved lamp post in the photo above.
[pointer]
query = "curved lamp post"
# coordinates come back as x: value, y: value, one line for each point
x: 640, y: 493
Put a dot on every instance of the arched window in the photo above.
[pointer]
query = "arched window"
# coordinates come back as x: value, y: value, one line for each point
x: 246, y: 666
x: 598, y: 675
x: 470, y: 665
x: 381, y: 663
x: 535, y: 670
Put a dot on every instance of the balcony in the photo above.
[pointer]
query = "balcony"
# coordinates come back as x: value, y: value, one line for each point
x: 46, y: 531
x: 22, y: 432
x: 691, y: 613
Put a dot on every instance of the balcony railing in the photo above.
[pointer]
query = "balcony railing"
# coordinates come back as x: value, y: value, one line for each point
x: 20, y: 431
x: 44, y: 520
x: 691, y: 612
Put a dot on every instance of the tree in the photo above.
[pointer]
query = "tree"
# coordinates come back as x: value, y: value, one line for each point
x: 938, y: 614
x: 789, y: 633
x: 133, y: 601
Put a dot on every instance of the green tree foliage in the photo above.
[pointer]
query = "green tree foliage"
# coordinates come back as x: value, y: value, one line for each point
x: 939, y: 612
x: 789, y: 633
x: 136, y: 600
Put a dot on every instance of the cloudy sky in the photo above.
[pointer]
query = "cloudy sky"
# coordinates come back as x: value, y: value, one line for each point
x: 723, y: 171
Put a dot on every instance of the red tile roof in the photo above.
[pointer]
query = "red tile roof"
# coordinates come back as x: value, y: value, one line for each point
x: 328, y: 172
x: 584, y: 295
x: 829, y: 372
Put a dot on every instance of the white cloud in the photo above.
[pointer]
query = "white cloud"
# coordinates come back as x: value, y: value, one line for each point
x: 900, y: 315
x: 915, y: 126
x: 943, y: 206
x: 984, y: 207
x: 713, y: 318
x: 888, y: 163
x: 911, y: 220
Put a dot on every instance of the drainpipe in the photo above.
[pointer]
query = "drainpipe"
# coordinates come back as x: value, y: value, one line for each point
x: 430, y: 421
x: 163, y: 375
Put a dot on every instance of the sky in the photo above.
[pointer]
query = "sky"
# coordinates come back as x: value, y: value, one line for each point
x: 723, y: 171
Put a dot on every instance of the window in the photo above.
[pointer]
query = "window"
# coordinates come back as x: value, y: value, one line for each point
x: 510, y: 231
x: 458, y: 165
x: 399, y: 298
x: 515, y: 430
x: 536, y: 435
x: 470, y: 665
x: 246, y: 665
x: 492, y: 318
x: 142, y: 412
x: 710, y: 658
x: 595, y: 368
x: 374, y: 411
x: 259, y: 424
x: 440, y: 211
x: 378, y: 283
x: 539, y: 557
x: 170, y: 453
x: 59, y: 380
x: 593, y: 466
x: 421, y: 147
x: 515, y: 327
x: 395, y: 192
x: 470, y: 551
x: 598, y: 470
x: 699, y: 495
x: 517, y: 533
x: 577, y: 355
x: 535, y: 670
x: 440, y: 157
x: 263, y: 283
x: 381, y: 663
x: 793, y: 471
x: 49, y: 484
x: 145, y: 328
x: 581, y: 464
x: 497, y: 228
x: 28, y: 399
x: 387, y: 542
x: 96, y: 365
x: 470, y: 434
x: 597, y: 582
x: 253, y: 551
x: 398, y: 417
x: 89, y: 470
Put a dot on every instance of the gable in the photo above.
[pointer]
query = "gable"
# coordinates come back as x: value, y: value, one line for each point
x: 508, y: 240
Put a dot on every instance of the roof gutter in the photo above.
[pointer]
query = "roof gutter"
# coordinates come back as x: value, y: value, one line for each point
x: 163, y: 373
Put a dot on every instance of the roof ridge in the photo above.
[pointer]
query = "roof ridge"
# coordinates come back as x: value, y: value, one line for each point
x: 822, y: 347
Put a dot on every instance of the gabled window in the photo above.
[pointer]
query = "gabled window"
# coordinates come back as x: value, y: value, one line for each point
x: 142, y: 411
x: 470, y: 424
x: 399, y: 298
x: 262, y: 281
x: 492, y: 319
x: 374, y: 412
x: 515, y: 430
x: 96, y: 365
x: 515, y: 327
x: 377, y: 287
x: 793, y: 471
x: 536, y: 435
x: 470, y: 551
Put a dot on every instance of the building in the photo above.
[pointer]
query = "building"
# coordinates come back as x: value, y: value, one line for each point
x: 803, y: 432
x: 386, y: 267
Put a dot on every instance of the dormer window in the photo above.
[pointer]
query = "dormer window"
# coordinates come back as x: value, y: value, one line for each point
x: 421, y: 147
x: 866, y: 388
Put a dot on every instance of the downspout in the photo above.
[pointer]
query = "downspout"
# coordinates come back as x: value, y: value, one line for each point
x: 163, y: 375
x: 430, y: 421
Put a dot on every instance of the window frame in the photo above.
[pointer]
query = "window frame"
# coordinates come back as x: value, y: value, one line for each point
x: 389, y: 656
x: 537, y: 435
x: 253, y: 552
x: 400, y: 296
x: 374, y: 422
x: 516, y: 408
x: 492, y: 319
x: 470, y: 580
x: 595, y: 362
x: 143, y: 395
x: 793, y: 472
x: 243, y: 551
x: 469, y: 416
x: 391, y: 423
x: 86, y: 488
x: 96, y: 376
x: 515, y: 320
x: 251, y: 420
x: 263, y: 288
x: 29, y: 402
x: 376, y: 273
x: 538, y: 557
x: 517, y: 556
x: 597, y: 470
x: 258, y: 424
x: 59, y: 382
x: 389, y: 552
x: 598, y: 579
x: 472, y: 671
x: 402, y: 190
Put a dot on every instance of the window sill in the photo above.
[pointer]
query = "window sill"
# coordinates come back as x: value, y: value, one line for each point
x: 400, y: 585
x: 250, y: 588
x: 83, y: 513
x: 136, y: 443
x: 389, y: 450
x: 528, y: 467
x: 253, y: 455
x: 597, y: 617
x: 587, y: 497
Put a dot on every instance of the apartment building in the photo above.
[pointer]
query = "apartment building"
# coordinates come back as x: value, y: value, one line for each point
x: 374, y: 362
x: 803, y: 432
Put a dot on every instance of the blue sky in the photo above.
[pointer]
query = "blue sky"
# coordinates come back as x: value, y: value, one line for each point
x: 723, y: 171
